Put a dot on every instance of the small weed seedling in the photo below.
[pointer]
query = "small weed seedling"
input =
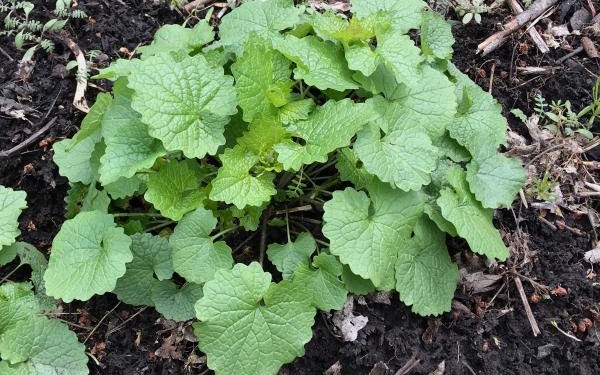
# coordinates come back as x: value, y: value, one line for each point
x: 30, y: 33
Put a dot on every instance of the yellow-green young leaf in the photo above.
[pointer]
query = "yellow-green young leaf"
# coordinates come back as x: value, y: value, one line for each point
x: 40, y: 346
x: 250, y: 326
x: 495, y: 180
x: 265, y: 18
x: 11, y: 204
x: 258, y: 72
x: 319, y: 63
x: 471, y: 220
x: 195, y: 256
x: 329, y: 127
x: 323, y: 280
x: 129, y: 147
x: 364, y: 231
x: 426, y: 277
x: 292, y: 255
x: 185, y: 103
x: 436, y: 36
x: 151, y: 256
x: 173, y: 302
x: 403, y: 14
x: 175, y: 189
x: 89, y: 254
x: 237, y: 184
x: 178, y: 38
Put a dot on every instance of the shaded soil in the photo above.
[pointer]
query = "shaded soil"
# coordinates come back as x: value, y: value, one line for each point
x: 489, y: 335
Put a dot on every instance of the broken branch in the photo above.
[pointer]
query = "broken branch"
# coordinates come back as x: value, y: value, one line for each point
x: 497, y: 39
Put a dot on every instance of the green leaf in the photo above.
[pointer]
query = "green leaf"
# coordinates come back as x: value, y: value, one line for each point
x: 257, y: 72
x: 17, y: 303
x: 249, y: 325
x: 178, y: 38
x: 40, y: 346
x: 288, y: 257
x: 88, y: 256
x: 319, y: 63
x: 479, y: 124
x: 8, y: 254
x: 403, y: 157
x: 351, y: 169
x: 434, y: 212
x: 95, y: 200
x: 12, y: 202
x: 426, y: 277
x: 364, y: 231
x: 471, y: 220
x: 329, y: 292
x: 185, y: 104
x: 330, y: 25
x: 195, y: 256
x: 400, y: 55
x: 92, y: 122
x: 495, y: 180
x: 151, y: 256
x: 328, y: 128
x: 265, y: 18
x: 295, y: 111
x: 356, y: 284
x: 176, y: 303
x: 235, y: 184
x: 124, y: 187
x: 38, y: 263
x: 129, y: 147
x: 436, y: 36
x: 117, y: 69
x: 361, y: 57
x: 175, y: 189
x: 430, y: 102
x: 404, y: 14
x: 75, y: 158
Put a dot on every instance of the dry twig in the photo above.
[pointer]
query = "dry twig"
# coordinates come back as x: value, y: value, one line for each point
x: 79, y: 99
x: 530, y: 317
x: 497, y: 39
x: 533, y: 33
x: 192, y: 5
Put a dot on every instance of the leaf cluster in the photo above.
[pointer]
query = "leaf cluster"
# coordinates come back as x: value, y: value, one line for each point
x: 312, y: 122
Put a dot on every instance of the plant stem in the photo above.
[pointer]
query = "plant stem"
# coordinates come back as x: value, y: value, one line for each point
x: 159, y: 226
x: 263, y: 236
x: 136, y: 214
x: 223, y: 232
x: 10, y: 273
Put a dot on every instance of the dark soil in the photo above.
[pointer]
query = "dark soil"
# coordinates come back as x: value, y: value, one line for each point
x: 490, y: 336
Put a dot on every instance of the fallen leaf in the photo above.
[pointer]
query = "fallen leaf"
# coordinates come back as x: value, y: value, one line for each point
x: 335, y: 369
x: 593, y: 256
x: 347, y: 323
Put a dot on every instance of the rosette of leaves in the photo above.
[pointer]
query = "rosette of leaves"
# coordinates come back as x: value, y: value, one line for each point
x: 305, y: 122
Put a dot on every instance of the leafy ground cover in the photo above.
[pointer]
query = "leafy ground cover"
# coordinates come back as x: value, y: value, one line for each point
x: 379, y: 330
